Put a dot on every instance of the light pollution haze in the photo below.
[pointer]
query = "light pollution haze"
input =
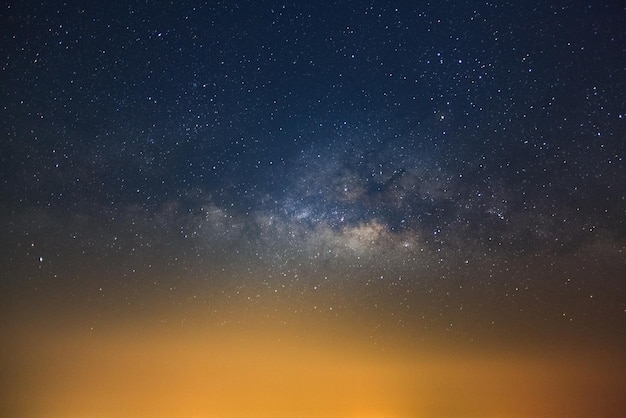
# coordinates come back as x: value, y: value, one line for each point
x: 285, y: 358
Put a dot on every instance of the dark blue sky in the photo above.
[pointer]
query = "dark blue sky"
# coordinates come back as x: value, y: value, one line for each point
x: 437, y: 140
x: 176, y: 96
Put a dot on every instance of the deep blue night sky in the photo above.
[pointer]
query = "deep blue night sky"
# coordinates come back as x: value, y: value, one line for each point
x: 459, y: 165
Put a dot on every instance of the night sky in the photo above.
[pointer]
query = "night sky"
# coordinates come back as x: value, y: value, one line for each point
x: 313, y: 209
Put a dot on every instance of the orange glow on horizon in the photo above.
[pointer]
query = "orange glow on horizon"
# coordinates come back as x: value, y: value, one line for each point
x: 270, y: 371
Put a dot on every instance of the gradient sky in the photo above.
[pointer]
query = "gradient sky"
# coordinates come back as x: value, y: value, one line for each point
x: 314, y: 209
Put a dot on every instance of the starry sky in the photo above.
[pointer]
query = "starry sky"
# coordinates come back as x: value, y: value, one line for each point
x: 316, y: 209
